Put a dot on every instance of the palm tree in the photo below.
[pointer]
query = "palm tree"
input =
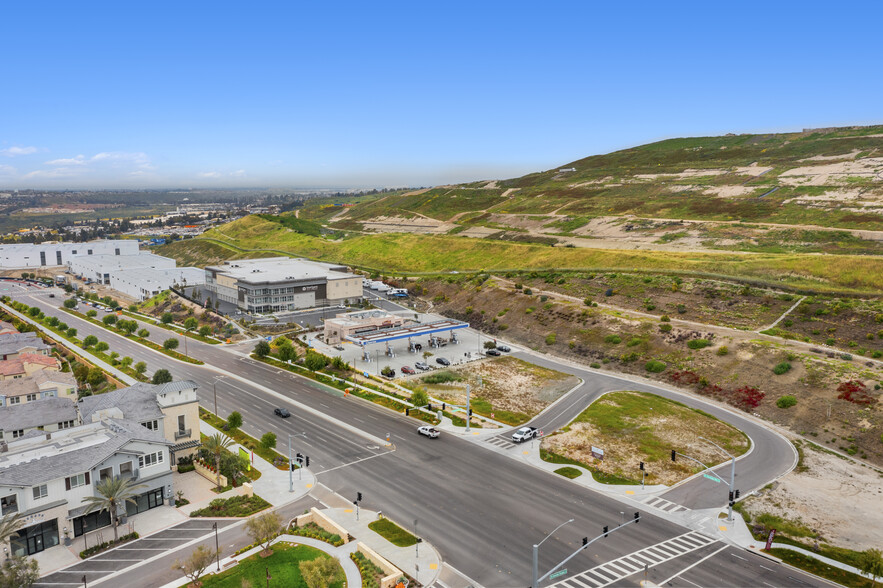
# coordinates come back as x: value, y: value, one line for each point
x: 112, y: 493
x: 9, y: 524
x: 217, y: 444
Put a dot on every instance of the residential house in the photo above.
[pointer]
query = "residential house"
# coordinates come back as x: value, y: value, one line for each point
x: 171, y: 409
x: 14, y: 344
x: 27, y: 364
x: 45, y: 384
x: 46, y: 475
x: 45, y: 415
x: 7, y: 328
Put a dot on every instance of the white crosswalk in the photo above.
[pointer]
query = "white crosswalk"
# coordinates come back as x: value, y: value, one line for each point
x: 617, y: 569
x: 663, y: 504
x: 501, y: 442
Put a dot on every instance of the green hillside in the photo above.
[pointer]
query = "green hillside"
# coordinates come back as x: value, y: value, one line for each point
x: 831, y: 178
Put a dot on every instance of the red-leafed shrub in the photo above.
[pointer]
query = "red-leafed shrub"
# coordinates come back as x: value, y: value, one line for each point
x: 685, y: 377
x: 856, y: 392
x: 747, y: 397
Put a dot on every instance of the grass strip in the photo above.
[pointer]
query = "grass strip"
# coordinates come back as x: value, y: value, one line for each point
x: 236, y: 506
x: 246, y: 440
x: 820, y: 568
x: 392, y: 533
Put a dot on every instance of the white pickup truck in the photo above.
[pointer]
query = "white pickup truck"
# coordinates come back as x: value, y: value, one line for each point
x: 524, y: 434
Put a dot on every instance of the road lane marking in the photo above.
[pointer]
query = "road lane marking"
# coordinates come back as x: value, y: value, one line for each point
x: 690, y: 567
x: 766, y: 568
x: 352, y: 463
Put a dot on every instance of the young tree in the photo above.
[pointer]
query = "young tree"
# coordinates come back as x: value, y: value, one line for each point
x: 287, y: 352
x: 91, y: 313
x: 315, y: 361
x: 126, y: 361
x: 167, y: 318
x: 170, y: 344
x: 234, y: 421
x: 262, y: 349
x: 143, y: 333
x: 72, y: 332
x: 191, y: 323
x: 871, y: 564
x: 52, y: 321
x: 70, y: 303
x: 101, y: 346
x: 262, y: 529
x: 95, y: 377
x: 198, y: 562
x: 109, y: 320
x: 205, y: 330
x: 89, y: 341
x: 112, y: 493
x: 128, y: 326
x: 268, y: 441
x: 419, y: 397
x: 19, y: 572
x: 140, y: 367
x: 162, y: 376
x: 216, y: 445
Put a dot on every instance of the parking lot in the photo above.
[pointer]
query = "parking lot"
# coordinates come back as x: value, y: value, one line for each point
x: 470, y: 347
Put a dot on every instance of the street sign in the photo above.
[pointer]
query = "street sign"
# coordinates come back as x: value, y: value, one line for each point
x: 769, y: 540
x: 712, y: 478
x: 558, y: 574
x: 597, y: 452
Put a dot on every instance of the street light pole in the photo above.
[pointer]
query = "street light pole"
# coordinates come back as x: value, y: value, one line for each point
x: 215, y: 390
x: 416, y: 551
x: 217, y: 547
x: 468, y: 412
x: 536, y: 552
x: 732, y: 476
x: 290, y: 465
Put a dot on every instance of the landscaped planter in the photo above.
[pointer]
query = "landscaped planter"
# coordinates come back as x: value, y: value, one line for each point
x: 208, y: 472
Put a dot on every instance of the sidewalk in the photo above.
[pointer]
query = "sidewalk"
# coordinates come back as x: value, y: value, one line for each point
x: 404, y: 558
x: 272, y: 486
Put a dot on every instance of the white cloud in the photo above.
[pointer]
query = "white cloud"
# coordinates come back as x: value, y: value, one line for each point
x: 212, y: 174
x: 78, y: 160
x: 120, y: 157
x: 7, y: 170
x: 238, y: 173
x: 13, y: 151
x: 57, y: 172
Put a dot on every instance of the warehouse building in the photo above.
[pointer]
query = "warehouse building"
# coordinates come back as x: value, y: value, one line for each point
x: 280, y: 283
x: 27, y: 255
x: 140, y: 276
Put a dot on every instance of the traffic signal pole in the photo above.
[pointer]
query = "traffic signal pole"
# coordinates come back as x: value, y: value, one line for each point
x: 586, y: 543
x: 731, y: 483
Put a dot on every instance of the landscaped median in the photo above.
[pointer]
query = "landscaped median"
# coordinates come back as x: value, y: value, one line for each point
x: 246, y: 440
x: 134, y: 337
x: 634, y: 427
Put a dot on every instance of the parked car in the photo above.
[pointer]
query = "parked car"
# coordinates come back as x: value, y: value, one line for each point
x: 408, y: 370
x: 51, y: 295
x: 429, y: 431
x: 421, y: 366
x: 283, y: 412
x: 504, y: 348
x: 493, y: 352
x: 524, y: 434
x: 442, y: 361
x: 339, y: 347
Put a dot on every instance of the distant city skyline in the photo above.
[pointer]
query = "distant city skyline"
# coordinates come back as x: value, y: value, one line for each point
x: 352, y: 95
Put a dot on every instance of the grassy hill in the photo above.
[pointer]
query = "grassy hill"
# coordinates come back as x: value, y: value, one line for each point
x: 414, y: 254
x: 830, y: 178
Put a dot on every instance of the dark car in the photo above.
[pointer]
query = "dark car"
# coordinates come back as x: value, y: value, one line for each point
x: 408, y: 370
x: 283, y: 412
x: 504, y: 348
x: 442, y: 361
x: 492, y: 352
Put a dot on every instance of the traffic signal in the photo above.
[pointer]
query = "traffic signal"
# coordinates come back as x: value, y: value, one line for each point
x: 291, y: 465
x: 731, y: 497
x: 407, y: 412
x: 637, y: 517
x: 470, y: 412
x: 444, y: 405
x: 605, y: 530
x: 585, y: 541
x: 430, y: 407
x: 642, y: 466
x: 358, y: 496
x: 673, y: 454
x: 307, y: 459
x: 737, y: 494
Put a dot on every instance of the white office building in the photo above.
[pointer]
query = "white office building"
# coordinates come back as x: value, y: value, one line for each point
x: 26, y: 255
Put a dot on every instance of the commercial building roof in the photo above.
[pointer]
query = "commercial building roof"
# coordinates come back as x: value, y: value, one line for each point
x: 36, y: 460
x: 104, y: 263
x: 37, y: 413
x: 280, y: 269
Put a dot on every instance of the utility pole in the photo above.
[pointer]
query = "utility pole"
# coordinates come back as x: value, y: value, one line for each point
x: 291, y: 463
x: 217, y: 547
x: 215, y: 390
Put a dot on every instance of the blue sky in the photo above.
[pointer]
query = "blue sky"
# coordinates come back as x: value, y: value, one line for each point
x: 291, y: 94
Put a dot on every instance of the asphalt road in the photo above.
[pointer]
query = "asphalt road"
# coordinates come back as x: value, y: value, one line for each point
x: 479, y: 508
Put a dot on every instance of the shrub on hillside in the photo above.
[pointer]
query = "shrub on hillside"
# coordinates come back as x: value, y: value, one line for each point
x: 786, y: 401
x: 655, y: 367
x: 782, y: 368
x: 698, y: 343
x: 614, y: 339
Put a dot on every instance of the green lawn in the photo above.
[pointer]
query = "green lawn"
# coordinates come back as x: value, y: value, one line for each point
x: 392, y: 533
x: 569, y: 472
x: 283, y: 567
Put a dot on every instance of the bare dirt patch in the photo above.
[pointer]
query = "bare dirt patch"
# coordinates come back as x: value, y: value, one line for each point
x: 509, y: 385
x: 835, y: 497
x: 395, y: 224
